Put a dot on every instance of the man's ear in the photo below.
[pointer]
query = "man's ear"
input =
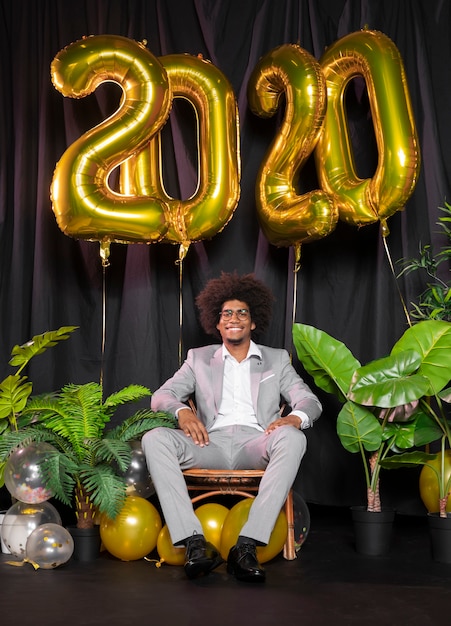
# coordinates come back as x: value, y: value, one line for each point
x: 253, y: 326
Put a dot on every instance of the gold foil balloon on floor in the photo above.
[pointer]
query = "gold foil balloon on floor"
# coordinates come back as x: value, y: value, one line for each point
x: 167, y: 552
x: 212, y: 517
x: 429, y: 485
x: 134, y: 532
x: 235, y: 521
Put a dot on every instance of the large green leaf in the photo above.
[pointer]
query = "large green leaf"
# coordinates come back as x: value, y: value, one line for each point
x: 426, y: 430
x: 327, y: 360
x: 407, y: 459
x: 390, y: 381
x: 432, y: 340
x: 14, y: 393
x: 39, y: 344
x: 357, y: 427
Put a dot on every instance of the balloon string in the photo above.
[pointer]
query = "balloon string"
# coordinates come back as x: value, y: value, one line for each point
x: 296, y: 268
x: 104, y: 255
x: 385, y: 232
x: 22, y: 563
x: 183, y: 249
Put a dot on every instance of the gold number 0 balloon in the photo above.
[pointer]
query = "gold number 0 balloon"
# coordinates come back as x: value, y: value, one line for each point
x: 214, y: 201
x: 83, y: 202
x: 287, y: 218
x: 374, y: 56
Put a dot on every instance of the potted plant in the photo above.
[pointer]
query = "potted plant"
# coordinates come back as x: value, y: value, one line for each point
x: 88, y: 463
x: 386, y: 404
x: 434, y: 303
x: 16, y: 388
x: 435, y: 300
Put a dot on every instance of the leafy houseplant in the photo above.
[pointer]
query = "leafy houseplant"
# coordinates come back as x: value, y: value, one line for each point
x: 16, y: 389
x: 89, y: 461
x: 435, y: 300
x: 434, y: 303
x: 386, y: 403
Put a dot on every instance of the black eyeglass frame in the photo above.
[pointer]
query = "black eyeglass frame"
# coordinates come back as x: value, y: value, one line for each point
x: 242, y: 314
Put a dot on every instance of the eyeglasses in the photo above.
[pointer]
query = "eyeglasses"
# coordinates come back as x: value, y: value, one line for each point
x: 242, y: 314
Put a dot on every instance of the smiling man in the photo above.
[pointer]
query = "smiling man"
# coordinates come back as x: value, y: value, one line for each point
x: 237, y: 386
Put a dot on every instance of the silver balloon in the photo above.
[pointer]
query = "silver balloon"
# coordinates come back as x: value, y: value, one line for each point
x: 49, y: 546
x: 21, y: 519
x: 23, y: 473
x: 137, y: 477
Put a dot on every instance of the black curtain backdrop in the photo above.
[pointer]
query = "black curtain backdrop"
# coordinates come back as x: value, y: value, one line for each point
x: 345, y: 284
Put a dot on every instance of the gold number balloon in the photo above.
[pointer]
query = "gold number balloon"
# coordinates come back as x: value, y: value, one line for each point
x: 287, y: 218
x: 374, y: 56
x: 83, y: 202
x: 215, y: 199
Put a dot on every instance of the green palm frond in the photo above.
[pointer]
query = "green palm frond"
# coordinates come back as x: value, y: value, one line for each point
x: 107, y: 491
x: 136, y: 425
x: 22, y: 438
x: 74, y: 413
x: 111, y: 450
x: 58, y: 472
x: 132, y: 393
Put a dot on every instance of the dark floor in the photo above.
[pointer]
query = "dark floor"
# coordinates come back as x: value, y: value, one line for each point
x: 329, y: 583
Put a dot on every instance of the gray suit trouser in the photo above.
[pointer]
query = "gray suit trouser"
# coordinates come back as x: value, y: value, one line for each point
x: 169, y: 451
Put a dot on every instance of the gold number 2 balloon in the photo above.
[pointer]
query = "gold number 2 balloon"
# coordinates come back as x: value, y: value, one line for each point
x: 84, y: 204
x: 374, y: 56
x: 287, y: 218
x: 212, y: 205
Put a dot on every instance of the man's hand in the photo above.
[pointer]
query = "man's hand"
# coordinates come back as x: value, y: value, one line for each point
x: 289, y: 420
x: 193, y: 427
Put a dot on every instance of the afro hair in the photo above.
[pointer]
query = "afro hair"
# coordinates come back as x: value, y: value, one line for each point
x: 245, y: 288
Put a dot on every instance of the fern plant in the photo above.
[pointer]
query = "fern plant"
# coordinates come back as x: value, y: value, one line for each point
x: 87, y: 466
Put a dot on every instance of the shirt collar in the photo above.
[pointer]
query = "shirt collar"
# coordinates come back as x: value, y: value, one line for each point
x: 254, y: 350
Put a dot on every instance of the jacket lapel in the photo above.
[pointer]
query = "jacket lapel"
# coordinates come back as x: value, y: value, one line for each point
x: 217, y: 374
x: 256, y: 374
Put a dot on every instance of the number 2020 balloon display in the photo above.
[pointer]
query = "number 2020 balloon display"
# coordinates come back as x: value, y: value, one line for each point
x: 314, y: 123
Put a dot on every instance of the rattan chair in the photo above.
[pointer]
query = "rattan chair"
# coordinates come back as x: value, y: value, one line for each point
x: 214, y: 482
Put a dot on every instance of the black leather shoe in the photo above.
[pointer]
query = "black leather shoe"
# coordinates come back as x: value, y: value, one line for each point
x: 201, y: 557
x: 243, y: 563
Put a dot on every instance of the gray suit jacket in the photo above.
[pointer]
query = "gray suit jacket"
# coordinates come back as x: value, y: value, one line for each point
x: 272, y: 378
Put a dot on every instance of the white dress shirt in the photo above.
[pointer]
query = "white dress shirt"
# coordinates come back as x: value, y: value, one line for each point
x: 236, y: 405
